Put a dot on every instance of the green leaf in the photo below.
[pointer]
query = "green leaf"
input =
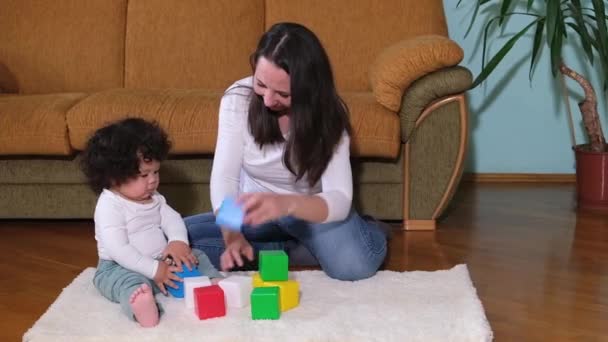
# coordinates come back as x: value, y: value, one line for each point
x: 556, y: 46
x: 577, y: 15
x: 475, y: 12
x: 553, y: 11
x: 487, y: 30
x: 596, y: 42
x: 590, y: 9
x: 598, y: 7
x: 477, y: 5
x: 576, y: 29
x: 485, y: 40
x: 538, y: 37
x: 602, y: 36
x: 503, y: 10
x: 500, y: 55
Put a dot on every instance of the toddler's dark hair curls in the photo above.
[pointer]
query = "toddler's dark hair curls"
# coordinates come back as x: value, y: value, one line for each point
x: 112, y: 155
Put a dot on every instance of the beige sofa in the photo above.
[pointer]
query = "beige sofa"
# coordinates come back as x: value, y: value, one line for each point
x: 67, y: 67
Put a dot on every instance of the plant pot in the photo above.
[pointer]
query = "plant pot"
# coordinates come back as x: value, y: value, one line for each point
x: 591, y: 178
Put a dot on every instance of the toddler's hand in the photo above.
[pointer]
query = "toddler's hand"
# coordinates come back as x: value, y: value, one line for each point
x: 180, y: 252
x: 165, y: 275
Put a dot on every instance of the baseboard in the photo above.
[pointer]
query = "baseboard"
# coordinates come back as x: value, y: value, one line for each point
x: 519, y: 177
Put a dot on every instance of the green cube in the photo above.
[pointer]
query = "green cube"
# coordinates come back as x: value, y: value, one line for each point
x: 273, y: 265
x: 265, y: 303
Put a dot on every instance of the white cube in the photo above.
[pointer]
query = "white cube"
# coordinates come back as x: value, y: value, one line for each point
x: 237, y: 290
x: 190, y: 283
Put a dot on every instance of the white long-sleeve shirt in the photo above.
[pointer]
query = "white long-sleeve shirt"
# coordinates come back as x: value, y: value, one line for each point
x: 132, y: 234
x: 239, y: 165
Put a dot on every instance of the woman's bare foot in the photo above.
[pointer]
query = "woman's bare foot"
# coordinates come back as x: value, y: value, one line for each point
x: 144, y: 306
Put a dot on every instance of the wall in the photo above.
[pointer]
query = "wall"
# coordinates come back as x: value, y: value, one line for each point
x: 518, y: 126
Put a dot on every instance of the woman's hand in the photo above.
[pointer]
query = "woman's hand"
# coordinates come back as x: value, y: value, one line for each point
x: 180, y: 252
x: 236, y: 247
x: 261, y: 207
x: 165, y: 275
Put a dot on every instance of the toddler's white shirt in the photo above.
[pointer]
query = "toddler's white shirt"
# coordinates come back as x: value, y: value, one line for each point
x: 133, y: 234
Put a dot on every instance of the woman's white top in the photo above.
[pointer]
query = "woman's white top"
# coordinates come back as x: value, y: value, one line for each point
x: 240, y: 166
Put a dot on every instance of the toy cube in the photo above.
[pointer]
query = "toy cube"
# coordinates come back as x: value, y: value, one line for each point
x: 230, y: 215
x: 273, y: 265
x: 289, y: 291
x: 256, y: 280
x: 179, y: 291
x: 265, y: 303
x: 237, y: 290
x: 209, y: 302
x: 190, y: 283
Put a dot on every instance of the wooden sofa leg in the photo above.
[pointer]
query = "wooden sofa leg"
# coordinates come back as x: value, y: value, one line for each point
x: 419, y: 225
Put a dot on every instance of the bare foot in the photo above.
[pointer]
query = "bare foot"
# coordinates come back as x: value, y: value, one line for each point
x: 144, y: 306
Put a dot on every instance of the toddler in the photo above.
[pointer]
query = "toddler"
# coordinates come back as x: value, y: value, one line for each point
x: 141, y: 240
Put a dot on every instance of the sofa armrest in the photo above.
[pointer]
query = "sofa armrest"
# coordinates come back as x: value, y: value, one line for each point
x: 428, y: 89
x: 434, y: 127
x: 402, y: 63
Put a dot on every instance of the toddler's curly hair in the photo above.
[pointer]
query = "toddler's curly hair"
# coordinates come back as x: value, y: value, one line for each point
x: 112, y: 155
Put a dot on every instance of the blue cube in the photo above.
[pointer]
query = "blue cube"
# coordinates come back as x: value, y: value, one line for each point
x: 230, y: 215
x: 179, y: 291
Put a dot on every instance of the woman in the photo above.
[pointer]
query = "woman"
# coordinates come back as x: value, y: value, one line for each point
x: 283, y: 150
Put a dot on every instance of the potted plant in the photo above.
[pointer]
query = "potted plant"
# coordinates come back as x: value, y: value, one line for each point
x: 556, y: 23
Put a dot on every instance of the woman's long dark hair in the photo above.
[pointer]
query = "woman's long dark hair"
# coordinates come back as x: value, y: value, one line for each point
x: 319, y: 117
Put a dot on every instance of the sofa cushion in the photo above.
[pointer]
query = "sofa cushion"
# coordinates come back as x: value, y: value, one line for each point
x: 190, y: 43
x: 188, y: 116
x: 61, y: 46
x: 376, y: 130
x: 35, y: 124
x: 354, y: 34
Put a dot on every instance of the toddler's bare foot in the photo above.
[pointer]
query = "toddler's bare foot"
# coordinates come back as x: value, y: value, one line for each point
x: 144, y: 307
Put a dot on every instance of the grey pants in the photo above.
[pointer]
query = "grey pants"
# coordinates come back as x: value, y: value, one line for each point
x: 117, y: 283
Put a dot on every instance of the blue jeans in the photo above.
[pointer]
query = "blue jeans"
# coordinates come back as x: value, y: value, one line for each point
x: 351, y: 249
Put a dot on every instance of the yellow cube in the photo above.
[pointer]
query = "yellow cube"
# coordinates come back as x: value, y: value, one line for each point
x: 289, y: 291
x: 257, y: 280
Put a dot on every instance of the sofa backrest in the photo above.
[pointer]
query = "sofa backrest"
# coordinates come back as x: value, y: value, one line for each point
x: 190, y: 43
x: 354, y: 32
x: 90, y: 45
x: 61, y: 45
x: 207, y: 43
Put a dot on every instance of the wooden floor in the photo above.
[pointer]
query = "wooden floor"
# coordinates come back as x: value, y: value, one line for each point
x: 539, y: 266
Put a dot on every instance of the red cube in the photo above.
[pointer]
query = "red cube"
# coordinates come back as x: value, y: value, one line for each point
x: 209, y: 302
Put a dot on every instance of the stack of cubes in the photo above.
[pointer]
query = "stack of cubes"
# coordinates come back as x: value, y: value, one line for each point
x: 273, y: 292
x: 211, y: 300
x: 208, y: 300
x: 269, y: 291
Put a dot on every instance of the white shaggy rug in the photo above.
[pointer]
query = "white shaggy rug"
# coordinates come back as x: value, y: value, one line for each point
x: 391, y: 306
